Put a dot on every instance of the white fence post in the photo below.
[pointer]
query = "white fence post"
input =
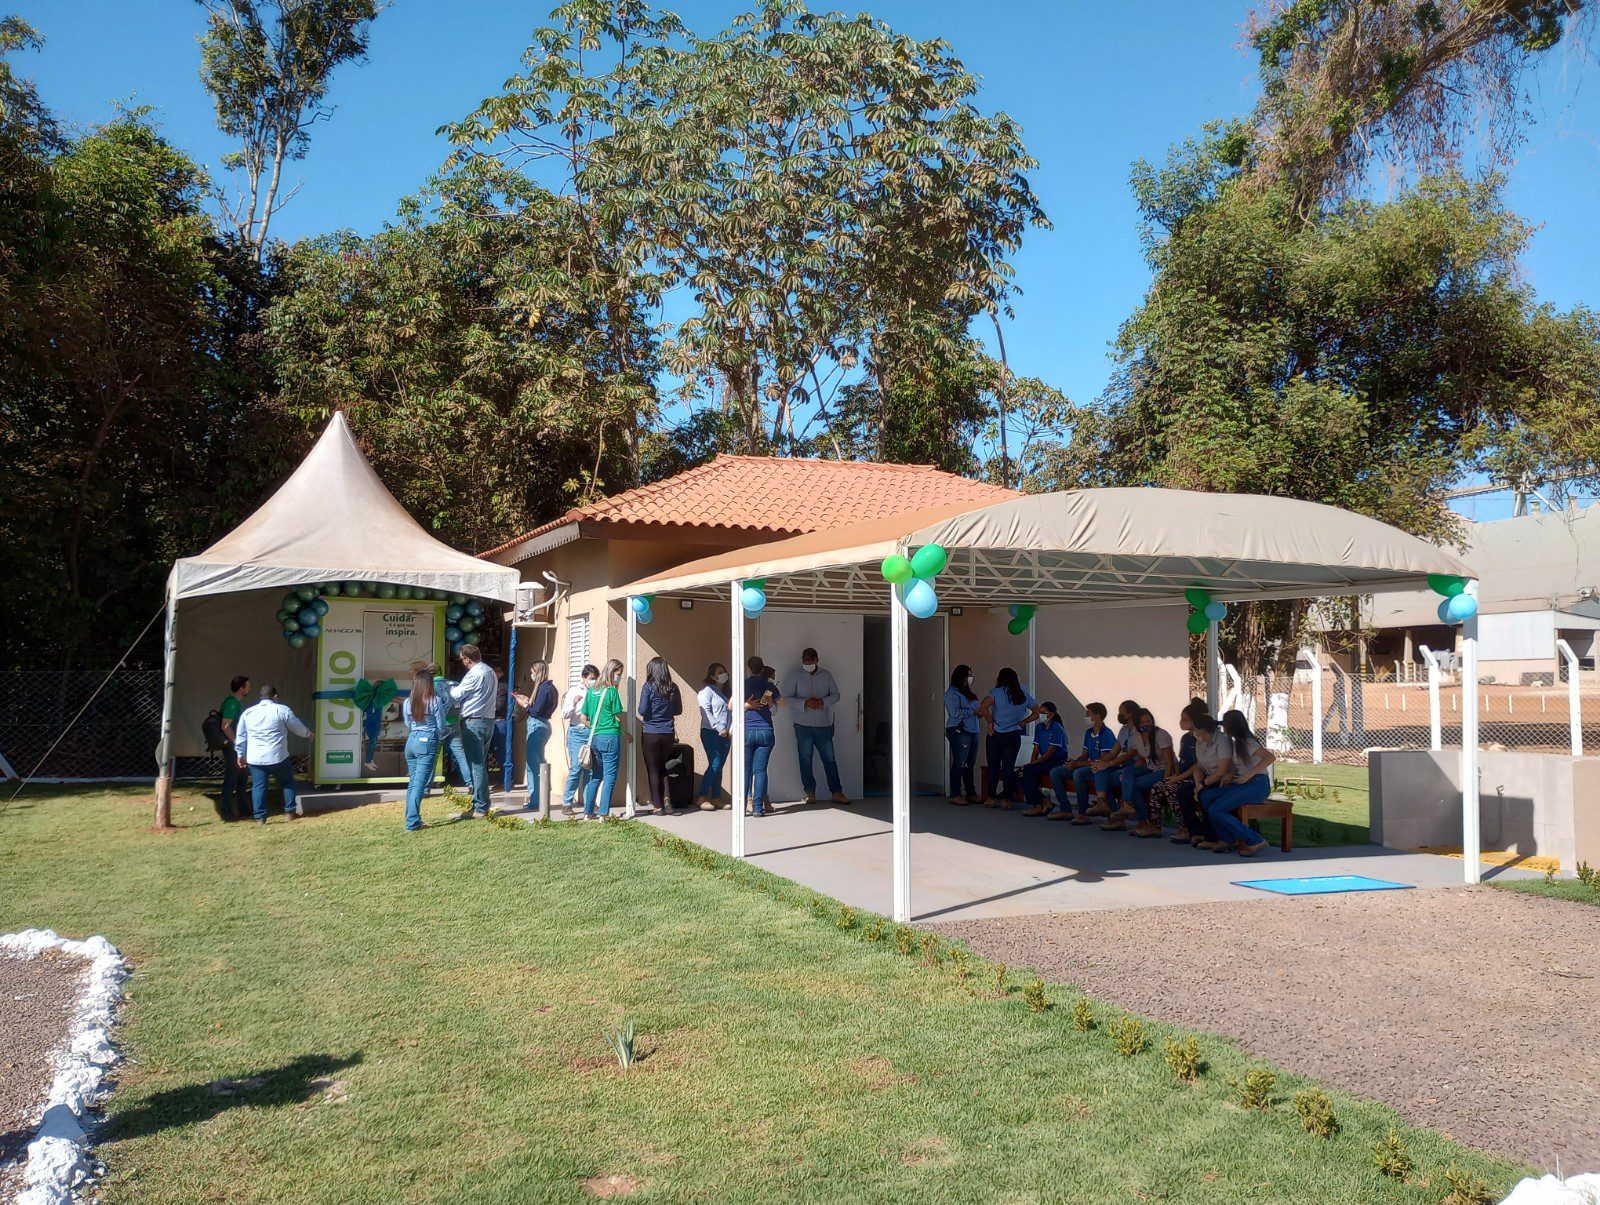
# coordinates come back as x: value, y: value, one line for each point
x: 1471, y: 843
x: 1574, y: 703
x: 1435, y: 730
x: 1309, y: 656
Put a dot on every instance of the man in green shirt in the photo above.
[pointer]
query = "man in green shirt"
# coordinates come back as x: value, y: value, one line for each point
x: 235, y: 782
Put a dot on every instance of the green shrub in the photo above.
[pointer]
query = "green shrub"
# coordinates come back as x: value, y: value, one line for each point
x: 930, y: 949
x: 874, y: 931
x: 1184, y: 1058
x: 1255, y: 1090
x: 998, y: 975
x: 847, y: 918
x: 1315, y: 1111
x: 1083, y: 1015
x: 960, y: 962
x: 1127, y: 1036
x: 621, y: 1043
x: 1465, y: 1188
x: 905, y: 941
x: 1034, y: 995
x: 1392, y: 1157
x: 1587, y: 876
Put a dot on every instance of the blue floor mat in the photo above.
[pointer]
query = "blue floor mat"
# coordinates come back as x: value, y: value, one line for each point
x: 1329, y: 884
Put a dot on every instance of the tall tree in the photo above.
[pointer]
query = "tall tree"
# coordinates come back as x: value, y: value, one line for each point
x: 267, y: 65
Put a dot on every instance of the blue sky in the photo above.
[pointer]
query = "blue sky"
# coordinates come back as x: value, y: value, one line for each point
x: 1093, y: 85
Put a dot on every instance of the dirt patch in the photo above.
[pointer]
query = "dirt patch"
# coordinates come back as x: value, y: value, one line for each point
x: 926, y: 1150
x: 878, y: 1073
x: 618, y: 1184
x: 40, y: 994
x: 1470, y: 1010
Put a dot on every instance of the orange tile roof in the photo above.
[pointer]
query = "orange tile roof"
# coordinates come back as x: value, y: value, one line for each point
x: 779, y: 496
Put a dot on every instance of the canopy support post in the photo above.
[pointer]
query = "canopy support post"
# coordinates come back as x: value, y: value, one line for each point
x: 1213, y: 667
x: 1471, y: 841
x: 900, y: 752
x: 630, y: 745
x: 736, y: 675
x: 164, y: 763
x: 1032, y: 656
x: 511, y: 712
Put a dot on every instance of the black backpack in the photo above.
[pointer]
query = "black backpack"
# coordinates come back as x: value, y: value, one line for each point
x: 211, y: 729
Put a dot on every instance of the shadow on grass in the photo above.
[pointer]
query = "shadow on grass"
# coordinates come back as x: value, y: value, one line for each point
x: 295, y: 1081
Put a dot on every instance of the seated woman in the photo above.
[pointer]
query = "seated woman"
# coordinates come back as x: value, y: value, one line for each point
x: 1049, y: 751
x: 1085, y: 771
x: 1249, y: 782
x: 1006, y: 710
x: 961, y: 734
x: 1177, y: 789
x: 1213, y: 766
x: 1151, y: 762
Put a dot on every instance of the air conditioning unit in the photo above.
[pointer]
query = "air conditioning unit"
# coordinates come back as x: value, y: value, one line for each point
x: 532, y: 608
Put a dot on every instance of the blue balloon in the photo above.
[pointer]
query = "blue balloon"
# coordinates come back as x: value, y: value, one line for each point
x: 307, y: 616
x: 452, y: 634
x: 1013, y: 610
x: 754, y: 601
x: 639, y: 603
x: 1460, y: 606
x: 646, y: 615
x: 311, y: 631
x: 1216, y: 611
x: 920, y: 599
x: 453, y: 613
x: 320, y: 606
x: 475, y: 608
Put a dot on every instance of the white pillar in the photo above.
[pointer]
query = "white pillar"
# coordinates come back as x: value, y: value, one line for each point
x: 630, y: 747
x: 1213, y: 667
x: 1314, y: 660
x: 1574, y: 702
x: 1435, y: 728
x: 1033, y: 657
x: 736, y: 675
x: 1471, y: 841
x: 900, y: 753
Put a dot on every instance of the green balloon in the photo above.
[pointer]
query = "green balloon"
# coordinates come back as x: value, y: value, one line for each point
x: 291, y: 624
x: 352, y: 588
x: 297, y: 641
x: 1198, y: 597
x: 467, y: 624
x: 1017, y: 626
x: 306, y: 593
x: 1197, y: 622
x: 929, y: 560
x: 1446, y: 584
x: 333, y: 589
x: 460, y: 600
x: 385, y: 590
x: 402, y: 591
x: 897, y: 570
x: 1027, y: 611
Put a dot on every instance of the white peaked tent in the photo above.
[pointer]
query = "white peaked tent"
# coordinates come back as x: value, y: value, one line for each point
x: 332, y: 520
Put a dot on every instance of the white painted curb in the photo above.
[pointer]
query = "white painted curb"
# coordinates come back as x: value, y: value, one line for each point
x: 58, y: 1157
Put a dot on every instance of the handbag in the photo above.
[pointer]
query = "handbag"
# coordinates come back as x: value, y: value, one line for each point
x: 586, y: 754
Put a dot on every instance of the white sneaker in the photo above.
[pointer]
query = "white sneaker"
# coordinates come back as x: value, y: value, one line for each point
x: 299, y: 808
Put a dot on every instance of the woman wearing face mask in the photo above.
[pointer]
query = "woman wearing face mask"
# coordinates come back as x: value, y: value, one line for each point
x: 961, y: 733
x: 1085, y: 772
x: 1049, y: 752
x: 1252, y: 783
x: 716, y: 732
x: 1007, y: 710
x: 604, y: 709
x: 1177, y: 789
x: 1213, y: 766
x: 1152, y: 761
x: 577, y: 736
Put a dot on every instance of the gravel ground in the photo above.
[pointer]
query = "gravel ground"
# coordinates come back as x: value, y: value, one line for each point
x: 37, y: 997
x: 1471, y: 1011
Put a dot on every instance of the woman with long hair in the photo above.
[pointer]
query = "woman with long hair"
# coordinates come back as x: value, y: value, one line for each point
x: 716, y: 731
x: 1176, y: 790
x: 961, y: 734
x: 603, y: 710
x: 540, y: 703
x: 1152, y: 762
x: 1213, y: 766
x: 1006, y: 711
x: 1251, y: 782
x: 426, y: 713
x: 660, y: 703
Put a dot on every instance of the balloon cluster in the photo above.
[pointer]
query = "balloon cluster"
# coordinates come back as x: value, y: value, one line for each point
x: 914, y: 577
x: 753, y: 598
x: 640, y: 606
x: 301, y: 611
x: 1203, y: 611
x: 1460, y: 597
x: 1021, y: 616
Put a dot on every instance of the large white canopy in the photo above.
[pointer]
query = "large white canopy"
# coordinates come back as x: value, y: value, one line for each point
x: 334, y: 519
x: 1094, y: 547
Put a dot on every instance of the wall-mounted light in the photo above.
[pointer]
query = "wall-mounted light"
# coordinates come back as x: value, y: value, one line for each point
x: 955, y: 610
x: 686, y: 604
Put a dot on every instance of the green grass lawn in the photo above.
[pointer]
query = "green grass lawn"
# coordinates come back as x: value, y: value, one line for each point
x: 1558, y: 889
x: 332, y: 1010
x: 1331, y: 804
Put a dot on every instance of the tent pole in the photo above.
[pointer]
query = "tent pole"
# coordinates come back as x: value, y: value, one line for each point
x: 736, y: 675
x: 630, y: 747
x: 1032, y: 657
x: 900, y: 753
x: 1471, y: 839
x: 511, y: 710
x: 164, y: 752
x: 1213, y: 667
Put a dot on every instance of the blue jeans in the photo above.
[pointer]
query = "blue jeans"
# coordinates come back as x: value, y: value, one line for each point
x: 1003, y: 750
x: 818, y: 739
x: 1033, y: 772
x: 284, y: 772
x: 475, y: 738
x: 235, y: 785
x: 577, y: 738
x: 1220, y: 804
x: 538, y: 736
x: 422, y: 759
x: 716, y: 747
x: 1136, y: 782
x: 757, y: 752
x: 963, y: 757
x: 1082, y: 778
x: 608, y: 752
x: 458, y: 754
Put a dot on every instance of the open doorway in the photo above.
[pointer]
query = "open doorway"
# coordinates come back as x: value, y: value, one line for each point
x: 929, y: 675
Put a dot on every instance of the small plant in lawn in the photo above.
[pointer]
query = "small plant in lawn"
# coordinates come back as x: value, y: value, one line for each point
x: 874, y: 931
x: 1465, y: 1188
x: 501, y: 820
x: 1035, y: 997
x: 456, y: 799
x: 1392, y: 1157
x: 549, y: 822
x: 1315, y: 1111
x: 621, y: 1043
x: 1184, y: 1058
x: 905, y: 941
x: 847, y: 918
x: 1001, y: 987
x: 1127, y: 1036
x: 930, y: 949
x: 1083, y: 1015
x: 1587, y: 876
x: 1255, y: 1089
x: 960, y: 962
x: 1550, y: 877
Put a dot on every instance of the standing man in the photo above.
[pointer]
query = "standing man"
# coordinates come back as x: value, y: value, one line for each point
x: 476, y: 698
x: 263, y: 746
x: 233, y: 778
x: 813, y: 693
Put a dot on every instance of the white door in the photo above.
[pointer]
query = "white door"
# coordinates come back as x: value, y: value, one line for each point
x: 779, y: 637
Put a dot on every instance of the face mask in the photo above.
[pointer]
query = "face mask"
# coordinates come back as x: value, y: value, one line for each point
x: 970, y: 679
x: 1147, y: 727
x: 722, y: 679
x: 810, y: 667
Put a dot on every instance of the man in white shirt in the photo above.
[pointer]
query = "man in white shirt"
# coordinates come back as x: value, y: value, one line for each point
x: 811, y: 694
x: 475, y: 698
x: 261, y: 739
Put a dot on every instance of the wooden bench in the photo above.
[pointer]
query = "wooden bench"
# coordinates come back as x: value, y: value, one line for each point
x: 1276, y: 807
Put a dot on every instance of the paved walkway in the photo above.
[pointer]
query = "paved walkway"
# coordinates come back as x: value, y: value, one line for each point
x: 970, y: 863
